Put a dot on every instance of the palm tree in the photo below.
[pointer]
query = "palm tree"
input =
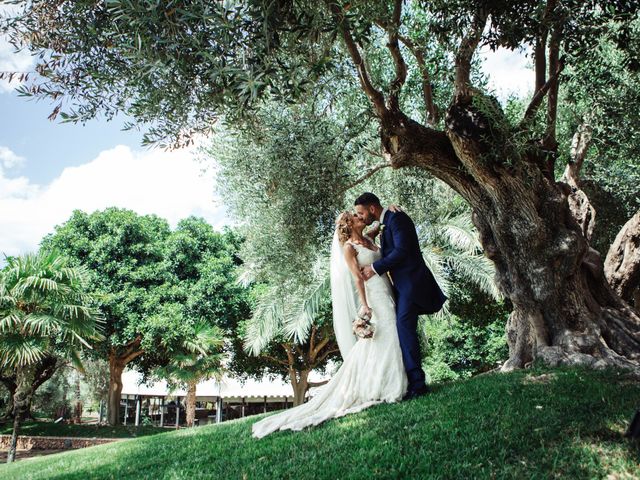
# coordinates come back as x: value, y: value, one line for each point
x: 296, y: 318
x: 43, y: 305
x: 199, y: 360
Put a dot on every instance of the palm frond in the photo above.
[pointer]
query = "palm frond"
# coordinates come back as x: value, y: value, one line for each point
x: 17, y: 350
x: 461, y: 233
x: 479, y: 270
x: 435, y: 262
x: 305, y: 309
x: 41, y: 324
x: 264, y: 325
x: 10, y: 321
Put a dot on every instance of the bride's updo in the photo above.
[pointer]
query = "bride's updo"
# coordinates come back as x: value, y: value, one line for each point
x: 344, y: 226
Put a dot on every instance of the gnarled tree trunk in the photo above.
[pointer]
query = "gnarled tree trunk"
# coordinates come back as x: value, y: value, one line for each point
x: 44, y: 370
x: 622, y: 265
x: 116, y: 367
x: 25, y: 380
x: 118, y: 360
x: 299, y: 382
x: 564, y: 310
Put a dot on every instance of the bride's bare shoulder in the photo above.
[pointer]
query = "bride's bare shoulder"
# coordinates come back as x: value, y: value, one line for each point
x: 349, y: 249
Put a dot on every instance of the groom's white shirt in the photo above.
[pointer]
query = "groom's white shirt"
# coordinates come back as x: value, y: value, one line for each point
x: 384, y: 211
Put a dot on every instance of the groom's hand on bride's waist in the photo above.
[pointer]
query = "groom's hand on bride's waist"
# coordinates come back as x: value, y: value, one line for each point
x: 368, y: 272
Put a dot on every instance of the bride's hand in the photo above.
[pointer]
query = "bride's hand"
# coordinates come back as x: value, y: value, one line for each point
x: 395, y: 208
x: 365, y: 312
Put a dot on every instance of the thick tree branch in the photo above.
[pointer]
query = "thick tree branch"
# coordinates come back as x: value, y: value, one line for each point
x: 367, y: 175
x: 579, y: 147
x: 276, y: 360
x: 374, y: 95
x: 540, y: 62
x: 287, y: 348
x: 540, y: 54
x: 131, y: 351
x: 312, y: 338
x: 467, y: 48
x: 323, y: 357
x: 320, y: 346
x: 427, y: 91
x: 536, y: 101
x: 316, y: 384
x: 552, y: 102
x: 132, y: 356
x: 398, y: 61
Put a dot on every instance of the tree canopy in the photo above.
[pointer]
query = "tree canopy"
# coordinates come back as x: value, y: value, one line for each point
x: 179, y: 67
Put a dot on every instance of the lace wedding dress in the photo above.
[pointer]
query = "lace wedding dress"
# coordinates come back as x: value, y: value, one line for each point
x: 372, y: 372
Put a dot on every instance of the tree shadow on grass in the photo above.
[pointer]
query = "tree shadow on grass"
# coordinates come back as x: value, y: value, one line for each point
x: 490, y: 427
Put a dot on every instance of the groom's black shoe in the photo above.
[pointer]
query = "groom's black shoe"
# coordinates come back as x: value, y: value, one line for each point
x: 417, y: 392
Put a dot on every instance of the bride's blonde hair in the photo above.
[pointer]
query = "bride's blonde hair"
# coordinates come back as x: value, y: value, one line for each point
x: 344, y: 226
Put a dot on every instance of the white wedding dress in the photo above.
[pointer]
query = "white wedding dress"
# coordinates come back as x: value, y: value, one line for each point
x: 372, y: 371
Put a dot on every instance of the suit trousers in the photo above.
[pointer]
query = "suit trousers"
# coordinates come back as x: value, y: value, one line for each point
x: 407, y: 323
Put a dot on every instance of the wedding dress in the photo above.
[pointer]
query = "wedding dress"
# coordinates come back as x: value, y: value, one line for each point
x: 372, y: 371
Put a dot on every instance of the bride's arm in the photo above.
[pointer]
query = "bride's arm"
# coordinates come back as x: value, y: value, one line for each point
x: 352, y: 263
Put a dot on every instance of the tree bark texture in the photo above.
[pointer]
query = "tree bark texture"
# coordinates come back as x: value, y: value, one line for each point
x: 118, y: 360
x: 25, y: 380
x: 191, y: 403
x: 116, y: 367
x: 44, y: 370
x: 564, y: 310
x: 622, y: 265
x: 299, y: 381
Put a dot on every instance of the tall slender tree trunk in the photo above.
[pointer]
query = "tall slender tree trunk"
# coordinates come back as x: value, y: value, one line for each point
x: 191, y: 403
x: 77, y: 410
x: 25, y: 379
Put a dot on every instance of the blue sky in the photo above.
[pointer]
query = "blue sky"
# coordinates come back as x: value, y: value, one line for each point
x: 52, y: 145
x: 48, y: 169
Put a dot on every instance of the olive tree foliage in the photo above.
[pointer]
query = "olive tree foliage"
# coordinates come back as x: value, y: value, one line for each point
x: 603, y: 94
x: 179, y: 66
x: 283, y: 180
x: 601, y: 106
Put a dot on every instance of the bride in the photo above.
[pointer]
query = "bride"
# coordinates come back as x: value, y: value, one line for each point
x: 372, y: 371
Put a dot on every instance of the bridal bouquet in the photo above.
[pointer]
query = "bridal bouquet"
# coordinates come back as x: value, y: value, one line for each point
x: 362, y: 326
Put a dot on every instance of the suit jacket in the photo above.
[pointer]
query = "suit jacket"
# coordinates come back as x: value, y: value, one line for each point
x: 401, y: 257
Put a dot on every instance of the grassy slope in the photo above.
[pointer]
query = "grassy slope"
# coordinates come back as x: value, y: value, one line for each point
x: 494, y: 426
x: 40, y: 428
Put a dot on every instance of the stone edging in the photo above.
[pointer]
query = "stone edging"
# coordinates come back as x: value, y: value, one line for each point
x: 53, y: 443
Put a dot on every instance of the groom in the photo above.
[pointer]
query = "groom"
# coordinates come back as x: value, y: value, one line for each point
x: 416, y: 290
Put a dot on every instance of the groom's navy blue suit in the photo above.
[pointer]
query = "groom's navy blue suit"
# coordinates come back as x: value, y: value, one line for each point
x: 416, y: 290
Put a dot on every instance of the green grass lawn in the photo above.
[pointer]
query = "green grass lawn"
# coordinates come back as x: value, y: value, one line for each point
x: 46, y: 428
x: 568, y: 424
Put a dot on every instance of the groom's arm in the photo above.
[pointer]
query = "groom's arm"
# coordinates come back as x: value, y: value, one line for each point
x: 402, y: 231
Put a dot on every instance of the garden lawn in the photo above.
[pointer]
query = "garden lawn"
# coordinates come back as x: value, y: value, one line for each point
x: 50, y: 429
x: 536, y: 424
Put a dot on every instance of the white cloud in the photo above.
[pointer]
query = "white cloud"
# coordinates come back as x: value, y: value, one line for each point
x: 8, y: 159
x: 169, y: 184
x: 509, y: 71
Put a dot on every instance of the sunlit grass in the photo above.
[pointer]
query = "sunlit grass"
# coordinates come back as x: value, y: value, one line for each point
x: 566, y: 425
